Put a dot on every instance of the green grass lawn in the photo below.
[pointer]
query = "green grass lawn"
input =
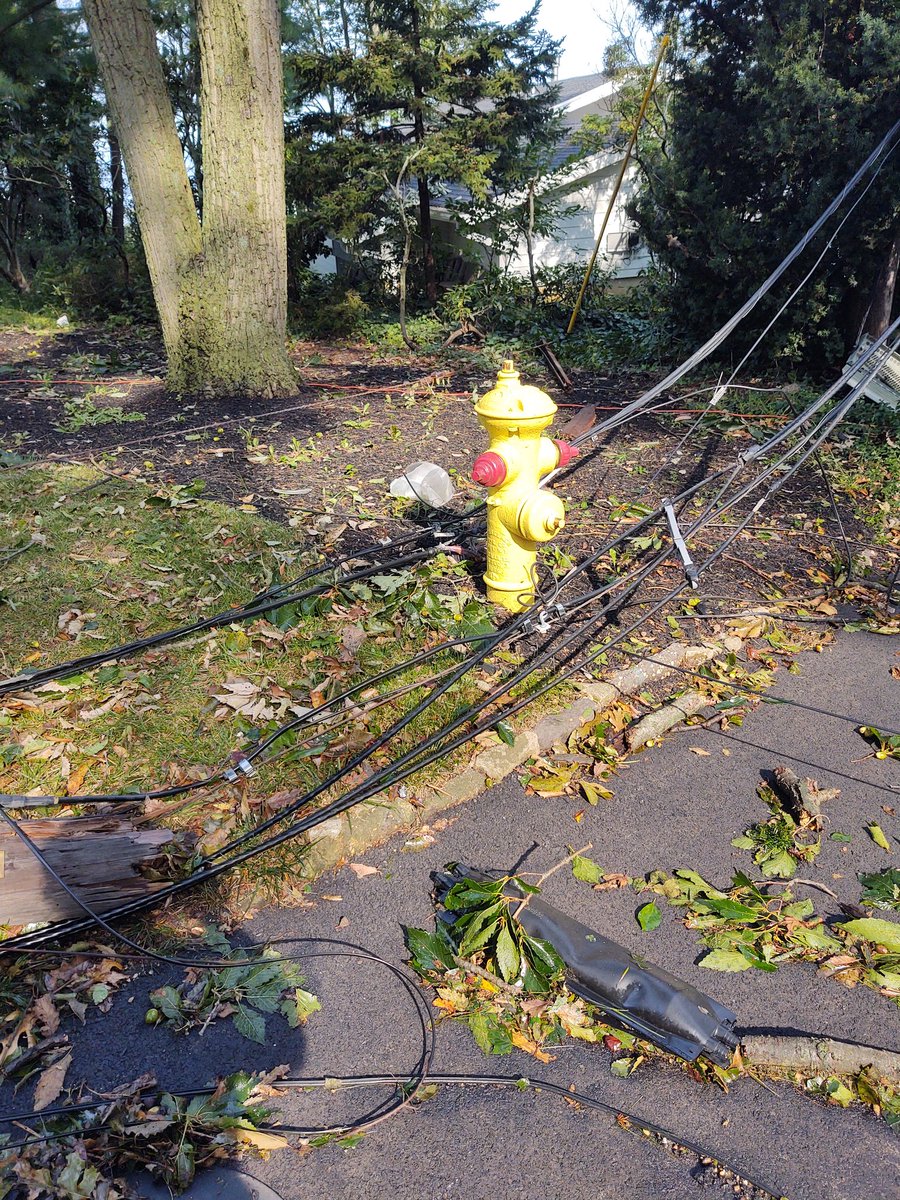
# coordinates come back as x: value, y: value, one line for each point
x: 93, y: 561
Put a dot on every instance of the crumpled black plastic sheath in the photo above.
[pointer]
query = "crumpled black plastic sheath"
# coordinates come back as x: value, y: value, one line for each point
x: 636, y: 994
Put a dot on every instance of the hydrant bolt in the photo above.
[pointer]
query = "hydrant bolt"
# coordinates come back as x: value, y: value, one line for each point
x: 519, y: 514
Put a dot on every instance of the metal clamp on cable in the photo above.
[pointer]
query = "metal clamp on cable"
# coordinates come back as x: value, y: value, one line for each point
x: 545, y: 619
x: 244, y: 767
x: 691, y: 574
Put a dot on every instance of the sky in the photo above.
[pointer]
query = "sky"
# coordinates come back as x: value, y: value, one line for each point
x: 579, y: 22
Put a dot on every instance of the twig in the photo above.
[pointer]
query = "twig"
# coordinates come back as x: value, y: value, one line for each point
x: 575, y: 853
x: 466, y: 964
x: 809, y: 883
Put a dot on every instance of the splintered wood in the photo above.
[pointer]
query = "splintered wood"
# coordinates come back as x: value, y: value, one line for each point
x: 98, y: 857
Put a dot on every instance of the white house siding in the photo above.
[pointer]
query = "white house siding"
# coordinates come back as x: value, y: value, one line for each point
x: 574, y: 238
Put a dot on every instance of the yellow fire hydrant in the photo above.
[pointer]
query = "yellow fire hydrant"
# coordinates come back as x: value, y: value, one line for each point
x: 519, y: 514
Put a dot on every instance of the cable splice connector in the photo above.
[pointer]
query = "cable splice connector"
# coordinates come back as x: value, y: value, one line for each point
x: 243, y: 767
x: 691, y: 574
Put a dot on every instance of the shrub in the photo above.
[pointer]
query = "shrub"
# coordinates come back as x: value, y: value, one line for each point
x: 326, y: 305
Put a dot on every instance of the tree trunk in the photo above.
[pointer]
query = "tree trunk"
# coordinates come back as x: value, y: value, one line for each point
x: 118, y: 187
x: 125, y: 44
x: 221, y: 293
x: 881, y: 302
x: 11, y: 269
x: 236, y: 303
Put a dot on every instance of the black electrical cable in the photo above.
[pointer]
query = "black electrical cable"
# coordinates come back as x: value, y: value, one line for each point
x: 398, y: 770
x: 501, y: 636
x: 263, y: 602
x: 624, y: 414
x: 520, y: 1083
x: 375, y: 783
x: 313, y: 717
x: 721, y: 334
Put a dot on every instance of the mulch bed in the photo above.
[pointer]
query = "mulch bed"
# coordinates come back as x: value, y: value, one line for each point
x: 359, y: 418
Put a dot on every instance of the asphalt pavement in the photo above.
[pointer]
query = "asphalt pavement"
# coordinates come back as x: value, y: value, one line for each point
x: 671, y: 808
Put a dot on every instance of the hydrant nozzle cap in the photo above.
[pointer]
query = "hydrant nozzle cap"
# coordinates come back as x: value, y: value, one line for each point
x: 489, y: 469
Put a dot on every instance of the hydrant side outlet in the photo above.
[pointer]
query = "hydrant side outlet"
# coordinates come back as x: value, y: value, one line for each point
x: 519, y: 514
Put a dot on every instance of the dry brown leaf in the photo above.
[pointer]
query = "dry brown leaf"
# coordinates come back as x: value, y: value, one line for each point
x: 612, y: 881
x: 698, y: 750
x: 76, y: 779
x: 51, y: 1082
x: 71, y: 622
x: 361, y: 870
x: 45, y: 1011
x: 525, y: 1043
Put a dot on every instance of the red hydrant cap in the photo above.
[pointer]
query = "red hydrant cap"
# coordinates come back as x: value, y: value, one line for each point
x: 489, y: 469
x: 566, y: 452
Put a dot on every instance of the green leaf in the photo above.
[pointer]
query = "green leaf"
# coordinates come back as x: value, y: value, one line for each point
x: 184, y: 1164
x: 881, y: 889
x: 743, y: 842
x: 544, y: 957
x: 250, y: 1025
x: 479, y: 1027
x: 506, y: 733
x: 481, y: 928
x: 878, y: 836
x: 838, y: 1093
x: 586, y: 870
x: 731, y: 910
x: 725, y: 960
x: 621, y: 1067
x: 429, y: 951
x: 875, y: 930
x: 99, y: 993
x: 299, y: 1007
x: 649, y: 916
x: 779, y: 865
x: 507, y: 955
x: 840, y: 837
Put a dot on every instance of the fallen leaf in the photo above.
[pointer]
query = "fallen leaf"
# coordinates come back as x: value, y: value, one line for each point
x: 71, y: 622
x: 361, y: 870
x: 878, y: 836
x: 525, y: 1043
x: 701, y: 752
x: 45, y: 1011
x: 51, y: 1081
x: 76, y: 779
x: 611, y: 882
x: 332, y: 898
x: 259, y: 1139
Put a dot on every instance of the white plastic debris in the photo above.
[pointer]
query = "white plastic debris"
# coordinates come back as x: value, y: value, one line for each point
x: 62, y: 321
x: 425, y: 482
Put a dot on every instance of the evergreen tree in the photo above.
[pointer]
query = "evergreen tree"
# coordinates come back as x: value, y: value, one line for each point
x: 403, y: 98
x: 50, y: 190
x: 772, y: 107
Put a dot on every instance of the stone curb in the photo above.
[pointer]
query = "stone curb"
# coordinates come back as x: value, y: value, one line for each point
x: 342, y: 838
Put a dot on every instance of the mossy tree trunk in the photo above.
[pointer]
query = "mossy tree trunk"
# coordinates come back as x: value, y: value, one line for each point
x: 221, y: 290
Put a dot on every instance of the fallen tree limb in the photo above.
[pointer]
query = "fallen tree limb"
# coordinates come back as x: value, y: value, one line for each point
x: 658, y: 723
x: 820, y: 1056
